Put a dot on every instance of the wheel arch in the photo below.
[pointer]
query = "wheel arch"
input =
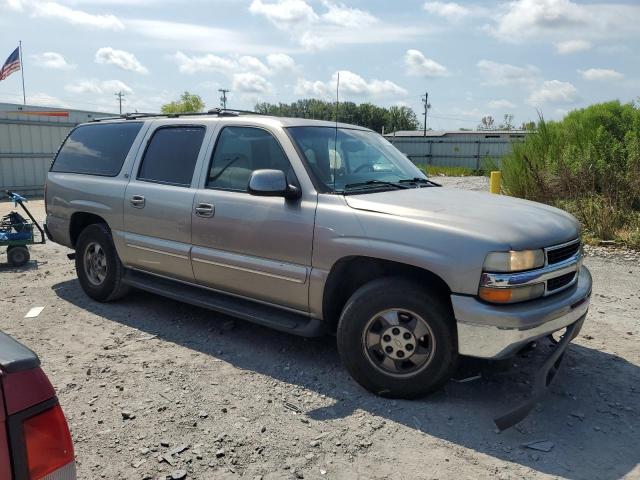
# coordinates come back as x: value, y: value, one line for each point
x: 81, y: 220
x: 348, y: 274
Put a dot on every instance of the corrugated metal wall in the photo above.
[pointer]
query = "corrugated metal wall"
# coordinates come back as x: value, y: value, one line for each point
x: 471, y: 150
x: 29, y: 141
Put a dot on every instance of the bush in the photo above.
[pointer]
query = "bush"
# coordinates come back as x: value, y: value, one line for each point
x: 587, y: 163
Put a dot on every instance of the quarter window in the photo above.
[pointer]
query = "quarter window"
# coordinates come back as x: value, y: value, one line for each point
x: 241, y: 150
x: 171, y: 155
x: 98, y: 149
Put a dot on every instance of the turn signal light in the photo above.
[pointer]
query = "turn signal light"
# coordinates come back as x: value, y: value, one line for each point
x: 511, y: 295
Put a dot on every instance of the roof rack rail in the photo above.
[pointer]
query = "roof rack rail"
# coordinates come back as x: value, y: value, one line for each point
x: 220, y: 112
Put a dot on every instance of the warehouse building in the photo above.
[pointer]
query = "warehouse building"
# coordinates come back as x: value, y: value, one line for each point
x: 29, y: 138
x: 470, y: 149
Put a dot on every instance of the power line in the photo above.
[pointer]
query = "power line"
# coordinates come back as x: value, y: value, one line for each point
x: 223, y: 97
x: 120, y: 96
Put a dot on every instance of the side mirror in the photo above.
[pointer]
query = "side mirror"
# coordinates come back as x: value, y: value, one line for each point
x: 272, y: 183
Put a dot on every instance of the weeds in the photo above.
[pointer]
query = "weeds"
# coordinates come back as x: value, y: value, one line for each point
x: 589, y: 164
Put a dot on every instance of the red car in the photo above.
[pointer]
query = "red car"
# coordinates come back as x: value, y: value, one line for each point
x: 35, y: 442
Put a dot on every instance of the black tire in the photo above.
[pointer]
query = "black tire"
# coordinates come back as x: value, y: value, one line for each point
x: 108, y: 285
x: 17, y: 255
x: 361, y: 311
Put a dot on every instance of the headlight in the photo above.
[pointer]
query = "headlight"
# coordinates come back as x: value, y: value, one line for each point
x: 511, y: 294
x: 513, y: 261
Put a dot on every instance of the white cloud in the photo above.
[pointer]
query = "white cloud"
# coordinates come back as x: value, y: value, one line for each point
x: 450, y: 10
x: 57, y: 11
x: 250, y: 83
x: 280, y: 62
x: 351, y: 84
x: 338, y: 25
x: 601, y: 74
x: 205, y: 63
x: 52, y: 60
x: 568, y: 47
x: 121, y: 59
x: 98, y: 87
x: 45, y: 100
x: 564, y: 19
x: 501, y: 104
x: 340, y: 14
x: 500, y: 74
x: 284, y: 13
x: 189, y: 36
x: 308, y: 88
x: 419, y: 65
x: 252, y: 64
x: 553, y: 91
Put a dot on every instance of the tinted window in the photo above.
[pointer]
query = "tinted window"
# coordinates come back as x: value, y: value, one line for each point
x: 171, y: 155
x: 241, y: 150
x: 98, y: 149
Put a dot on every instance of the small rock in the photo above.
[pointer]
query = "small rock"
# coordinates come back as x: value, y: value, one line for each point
x: 220, y: 453
x: 578, y: 415
x: 540, y: 445
x: 178, y: 449
x: 179, y: 475
x: 127, y: 415
x: 263, y: 429
x: 314, y: 443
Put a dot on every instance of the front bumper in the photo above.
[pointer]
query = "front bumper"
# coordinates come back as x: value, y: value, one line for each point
x: 498, y: 331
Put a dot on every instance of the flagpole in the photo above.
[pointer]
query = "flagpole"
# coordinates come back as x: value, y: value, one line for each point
x: 24, y: 95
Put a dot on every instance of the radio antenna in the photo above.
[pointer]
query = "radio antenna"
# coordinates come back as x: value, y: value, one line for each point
x: 335, y: 138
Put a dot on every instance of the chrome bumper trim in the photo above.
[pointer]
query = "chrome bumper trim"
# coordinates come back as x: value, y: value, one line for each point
x: 531, y: 277
x: 493, y: 331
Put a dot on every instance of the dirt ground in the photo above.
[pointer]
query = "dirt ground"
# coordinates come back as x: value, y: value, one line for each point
x: 157, y: 389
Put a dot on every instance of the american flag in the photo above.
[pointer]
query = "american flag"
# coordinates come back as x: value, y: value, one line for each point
x: 11, y: 65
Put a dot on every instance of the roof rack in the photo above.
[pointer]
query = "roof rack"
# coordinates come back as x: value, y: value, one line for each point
x: 220, y: 112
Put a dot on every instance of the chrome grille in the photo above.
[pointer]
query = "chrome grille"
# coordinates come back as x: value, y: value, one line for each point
x: 559, y: 253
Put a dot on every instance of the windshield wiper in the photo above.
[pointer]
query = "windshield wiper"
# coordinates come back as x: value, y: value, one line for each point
x: 419, y: 180
x: 374, y: 183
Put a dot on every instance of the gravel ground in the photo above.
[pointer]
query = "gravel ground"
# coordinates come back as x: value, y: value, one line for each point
x: 157, y: 389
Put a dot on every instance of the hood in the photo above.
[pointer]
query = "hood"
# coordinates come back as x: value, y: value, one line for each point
x: 518, y: 224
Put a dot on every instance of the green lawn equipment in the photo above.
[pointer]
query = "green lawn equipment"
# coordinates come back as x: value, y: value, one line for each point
x: 16, y: 232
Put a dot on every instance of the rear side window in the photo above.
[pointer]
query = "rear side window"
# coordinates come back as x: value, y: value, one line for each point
x: 96, y: 149
x: 171, y: 155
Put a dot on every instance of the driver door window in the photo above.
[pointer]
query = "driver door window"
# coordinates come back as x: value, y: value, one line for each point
x: 239, y: 152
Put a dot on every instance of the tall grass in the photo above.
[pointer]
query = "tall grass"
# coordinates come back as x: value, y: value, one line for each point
x: 589, y: 164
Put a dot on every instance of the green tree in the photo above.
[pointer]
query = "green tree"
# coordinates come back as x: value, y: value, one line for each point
x: 188, y: 103
x: 364, y: 114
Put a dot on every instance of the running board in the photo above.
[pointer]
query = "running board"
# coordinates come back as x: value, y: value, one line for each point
x: 255, y: 312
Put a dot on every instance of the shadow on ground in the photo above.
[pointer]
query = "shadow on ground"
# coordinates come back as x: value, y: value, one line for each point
x: 592, y: 430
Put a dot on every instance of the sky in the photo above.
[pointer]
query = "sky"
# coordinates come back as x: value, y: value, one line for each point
x: 474, y: 58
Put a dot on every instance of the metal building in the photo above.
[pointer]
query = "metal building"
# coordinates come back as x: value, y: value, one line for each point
x: 471, y: 149
x: 29, y: 138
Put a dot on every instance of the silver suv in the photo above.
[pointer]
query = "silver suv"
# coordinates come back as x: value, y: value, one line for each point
x: 312, y: 227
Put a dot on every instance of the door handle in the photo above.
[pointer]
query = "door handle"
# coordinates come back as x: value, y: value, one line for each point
x: 205, y: 210
x: 137, y: 201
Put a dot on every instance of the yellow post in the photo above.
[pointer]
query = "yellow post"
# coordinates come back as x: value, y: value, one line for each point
x: 494, y: 183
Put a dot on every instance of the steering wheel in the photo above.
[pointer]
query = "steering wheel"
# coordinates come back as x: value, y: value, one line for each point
x: 362, y: 167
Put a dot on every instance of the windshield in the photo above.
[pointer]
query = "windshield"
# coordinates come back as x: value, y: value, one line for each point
x: 353, y: 160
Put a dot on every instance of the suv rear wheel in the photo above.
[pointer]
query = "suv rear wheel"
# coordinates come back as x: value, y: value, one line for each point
x: 397, y: 339
x: 98, y: 267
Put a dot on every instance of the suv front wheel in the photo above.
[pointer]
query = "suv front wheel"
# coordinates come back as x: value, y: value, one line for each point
x: 397, y: 339
x: 97, y: 264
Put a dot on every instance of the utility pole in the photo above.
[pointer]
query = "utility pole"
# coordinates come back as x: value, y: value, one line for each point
x: 427, y: 106
x: 223, y: 98
x: 120, y: 95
